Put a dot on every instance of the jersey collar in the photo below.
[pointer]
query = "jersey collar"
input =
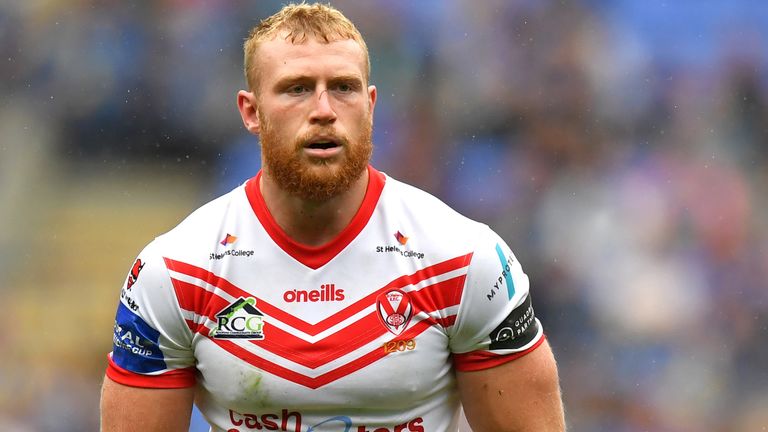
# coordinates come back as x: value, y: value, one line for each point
x: 315, y: 257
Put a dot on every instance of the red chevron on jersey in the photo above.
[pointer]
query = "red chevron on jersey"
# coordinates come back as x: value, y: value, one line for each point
x: 200, y: 302
x: 425, y: 301
x: 325, y: 378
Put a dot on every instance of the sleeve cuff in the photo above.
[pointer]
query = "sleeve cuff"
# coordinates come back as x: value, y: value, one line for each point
x: 178, y: 378
x: 480, y: 360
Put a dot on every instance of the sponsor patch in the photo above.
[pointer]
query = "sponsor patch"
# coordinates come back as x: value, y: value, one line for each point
x: 129, y: 301
x: 326, y: 293
x: 395, y: 310
x: 228, y: 240
x: 135, y: 343
x: 230, y: 253
x: 517, y: 330
x: 404, y: 252
x: 504, y: 278
x: 401, y: 238
x: 400, y: 247
x: 239, y: 320
x: 288, y: 420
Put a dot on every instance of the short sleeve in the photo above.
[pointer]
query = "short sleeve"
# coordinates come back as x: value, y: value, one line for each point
x: 495, y: 322
x: 151, y: 341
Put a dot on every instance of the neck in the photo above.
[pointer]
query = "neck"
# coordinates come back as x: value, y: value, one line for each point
x: 312, y: 223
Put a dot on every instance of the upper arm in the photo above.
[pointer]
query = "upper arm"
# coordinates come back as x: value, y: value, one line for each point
x: 495, y: 322
x: 125, y: 409
x: 152, y: 341
x: 150, y: 379
x: 520, y: 395
x: 506, y: 372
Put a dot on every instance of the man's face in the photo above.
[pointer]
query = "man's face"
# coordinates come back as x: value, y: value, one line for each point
x: 314, y: 112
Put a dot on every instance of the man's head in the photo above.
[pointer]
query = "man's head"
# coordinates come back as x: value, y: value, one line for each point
x: 309, y: 101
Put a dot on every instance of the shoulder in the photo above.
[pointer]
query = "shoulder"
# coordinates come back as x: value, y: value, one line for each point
x: 430, y: 215
x: 205, y: 224
x: 396, y: 190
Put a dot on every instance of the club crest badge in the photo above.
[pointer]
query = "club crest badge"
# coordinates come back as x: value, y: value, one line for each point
x: 395, y: 310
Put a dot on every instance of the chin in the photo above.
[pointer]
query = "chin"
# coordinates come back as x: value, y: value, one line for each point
x: 314, y: 178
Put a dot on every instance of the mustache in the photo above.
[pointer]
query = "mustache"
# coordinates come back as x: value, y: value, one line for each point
x: 324, y: 132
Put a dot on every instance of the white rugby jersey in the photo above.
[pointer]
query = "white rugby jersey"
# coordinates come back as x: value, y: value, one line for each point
x: 363, y: 334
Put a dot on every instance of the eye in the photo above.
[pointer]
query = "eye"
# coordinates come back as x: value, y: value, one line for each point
x: 346, y: 86
x: 297, y: 89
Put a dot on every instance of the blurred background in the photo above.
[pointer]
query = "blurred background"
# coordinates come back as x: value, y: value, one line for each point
x: 620, y: 147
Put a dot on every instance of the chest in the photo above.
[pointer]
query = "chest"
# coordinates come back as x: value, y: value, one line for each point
x: 372, y: 331
x: 389, y: 373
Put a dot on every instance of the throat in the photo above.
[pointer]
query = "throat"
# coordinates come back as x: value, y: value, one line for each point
x: 315, y: 229
x: 312, y: 223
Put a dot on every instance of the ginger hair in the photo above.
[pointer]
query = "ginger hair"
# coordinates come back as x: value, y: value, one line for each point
x: 297, y: 23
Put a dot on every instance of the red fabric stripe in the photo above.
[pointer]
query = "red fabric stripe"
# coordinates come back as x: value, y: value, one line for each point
x: 203, y: 302
x: 313, y: 355
x: 179, y: 378
x: 434, y: 297
x: 316, y: 257
x: 429, y: 299
x: 326, y: 378
x: 198, y: 300
x: 479, y: 360
x: 193, y: 326
x: 371, y: 357
x: 447, y: 321
x: 438, y: 296
x: 297, y: 323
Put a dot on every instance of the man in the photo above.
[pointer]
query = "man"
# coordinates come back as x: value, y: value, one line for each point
x: 323, y: 295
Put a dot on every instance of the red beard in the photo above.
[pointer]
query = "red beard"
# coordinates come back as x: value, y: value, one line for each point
x: 314, y: 180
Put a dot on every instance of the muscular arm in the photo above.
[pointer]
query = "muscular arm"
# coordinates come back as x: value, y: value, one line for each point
x: 126, y: 409
x: 521, y: 395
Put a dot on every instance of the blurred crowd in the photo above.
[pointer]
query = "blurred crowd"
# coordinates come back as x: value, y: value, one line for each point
x: 620, y: 147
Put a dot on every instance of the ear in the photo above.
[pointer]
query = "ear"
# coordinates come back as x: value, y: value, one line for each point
x: 371, y: 98
x: 249, y: 111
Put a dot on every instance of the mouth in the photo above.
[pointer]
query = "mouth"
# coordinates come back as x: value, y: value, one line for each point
x: 323, y: 147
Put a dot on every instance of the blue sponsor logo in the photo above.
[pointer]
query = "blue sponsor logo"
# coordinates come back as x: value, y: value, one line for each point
x: 135, y: 343
x: 505, y: 278
x: 344, y: 420
x: 506, y: 271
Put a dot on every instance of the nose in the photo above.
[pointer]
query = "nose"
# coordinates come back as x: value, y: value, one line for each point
x: 322, y: 111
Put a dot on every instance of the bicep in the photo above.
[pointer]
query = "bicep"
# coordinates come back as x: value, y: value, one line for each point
x: 520, y: 395
x: 125, y: 408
